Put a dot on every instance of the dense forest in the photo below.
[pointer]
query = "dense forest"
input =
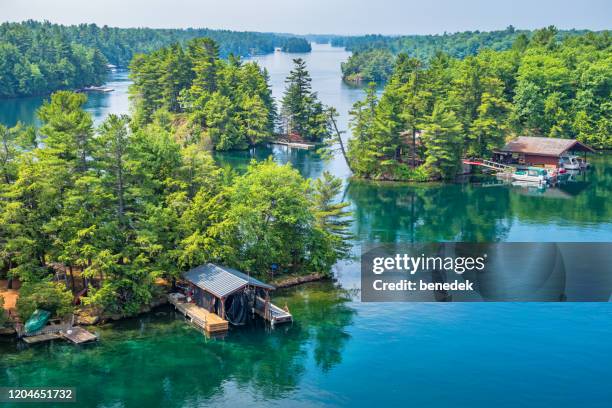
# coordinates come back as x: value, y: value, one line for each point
x: 294, y: 44
x: 37, y: 58
x: 123, y: 205
x: 432, y: 114
x: 375, y: 65
x: 219, y: 104
x: 372, y: 54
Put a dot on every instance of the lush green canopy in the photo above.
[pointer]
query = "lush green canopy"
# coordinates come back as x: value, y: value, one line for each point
x: 122, y: 205
x: 430, y: 115
x: 373, y: 55
x: 39, y: 57
x: 205, y: 100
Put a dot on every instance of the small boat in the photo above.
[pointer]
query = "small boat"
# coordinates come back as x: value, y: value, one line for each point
x: 37, y: 321
x: 570, y: 162
x: 532, y: 175
x: 562, y: 175
x: 104, y: 89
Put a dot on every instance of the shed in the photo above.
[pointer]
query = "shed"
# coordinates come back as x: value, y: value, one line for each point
x: 538, y: 151
x: 212, y: 285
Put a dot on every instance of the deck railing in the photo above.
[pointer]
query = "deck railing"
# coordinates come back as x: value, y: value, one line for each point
x: 490, y: 164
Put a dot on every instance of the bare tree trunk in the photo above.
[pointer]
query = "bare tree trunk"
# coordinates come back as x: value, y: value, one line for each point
x: 71, y: 277
x: 9, y: 279
x: 346, y: 159
x: 413, y: 147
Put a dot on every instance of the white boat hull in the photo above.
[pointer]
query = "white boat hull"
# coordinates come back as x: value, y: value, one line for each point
x: 529, y: 179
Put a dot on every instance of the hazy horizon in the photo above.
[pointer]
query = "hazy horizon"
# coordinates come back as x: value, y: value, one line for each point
x: 343, y: 17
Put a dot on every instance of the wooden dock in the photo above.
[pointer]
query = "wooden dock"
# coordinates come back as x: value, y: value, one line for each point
x: 79, y: 335
x: 39, y: 338
x: 272, y: 313
x: 294, y: 145
x: 75, y: 334
x: 199, y: 316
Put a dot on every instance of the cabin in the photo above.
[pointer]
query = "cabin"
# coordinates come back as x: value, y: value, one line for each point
x: 216, y: 295
x: 407, y: 146
x: 538, y: 151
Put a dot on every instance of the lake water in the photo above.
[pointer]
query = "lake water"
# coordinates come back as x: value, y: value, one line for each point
x: 339, y: 351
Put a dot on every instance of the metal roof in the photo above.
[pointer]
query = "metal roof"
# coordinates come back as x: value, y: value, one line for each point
x: 543, y: 146
x: 221, y: 281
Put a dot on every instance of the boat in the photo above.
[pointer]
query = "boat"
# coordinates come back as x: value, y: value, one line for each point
x: 532, y: 175
x: 570, y: 162
x: 562, y: 175
x: 104, y: 89
x: 37, y: 321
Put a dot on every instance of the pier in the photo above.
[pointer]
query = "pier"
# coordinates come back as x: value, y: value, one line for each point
x: 499, y: 167
x: 78, y: 335
x: 74, y: 334
x: 270, y: 312
x: 294, y: 145
x: 200, y: 317
x: 218, y: 295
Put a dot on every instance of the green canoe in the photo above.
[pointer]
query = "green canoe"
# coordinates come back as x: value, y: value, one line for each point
x: 37, y: 321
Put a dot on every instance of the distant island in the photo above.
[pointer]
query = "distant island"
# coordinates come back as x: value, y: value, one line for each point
x: 41, y: 57
x: 374, y: 55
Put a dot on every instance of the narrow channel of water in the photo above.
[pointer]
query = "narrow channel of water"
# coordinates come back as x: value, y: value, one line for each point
x: 339, y: 351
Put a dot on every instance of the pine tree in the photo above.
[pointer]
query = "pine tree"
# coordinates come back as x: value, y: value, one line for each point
x: 331, y: 216
x: 360, y: 153
x: 488, y: 130
x: 302, y: 113
x: 443, y: 142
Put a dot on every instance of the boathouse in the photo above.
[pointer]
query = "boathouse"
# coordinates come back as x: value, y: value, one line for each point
x: 538, y: 151
x: 231, y: 294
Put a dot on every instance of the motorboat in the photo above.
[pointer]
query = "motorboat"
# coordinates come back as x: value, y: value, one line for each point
x: 532, y: 175
x: 570, y: 162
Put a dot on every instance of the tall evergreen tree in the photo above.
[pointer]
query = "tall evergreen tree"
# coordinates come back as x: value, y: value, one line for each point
x: 443, y: 142
x: 302, y: 113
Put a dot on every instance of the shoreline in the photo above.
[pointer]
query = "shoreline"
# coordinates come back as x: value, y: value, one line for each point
x: 84, y: 318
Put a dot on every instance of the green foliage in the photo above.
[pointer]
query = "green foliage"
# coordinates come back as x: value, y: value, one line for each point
x: 126, y: 204
x: 442, y: 139
x: 268, y: 220
x: 35, y: 60
x: 302, y: 113
x: 372, y: 58
x: 3, y: 316
x: 13, y: 141
x: 39, y: 57
x: 429, y: 116
x: 50, y: 296
x: 374, y: 65
x: 227, y: 105
x: 294, y: 44
x: 331, y: 217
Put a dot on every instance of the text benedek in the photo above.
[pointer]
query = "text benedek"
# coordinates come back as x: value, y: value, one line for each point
x: 407, y: 285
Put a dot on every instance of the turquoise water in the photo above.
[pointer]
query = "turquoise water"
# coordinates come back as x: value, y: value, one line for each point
x: 99, y: 104
x: 341, y: 352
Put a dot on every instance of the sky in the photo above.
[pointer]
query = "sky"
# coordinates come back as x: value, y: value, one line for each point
x: 320, y: 16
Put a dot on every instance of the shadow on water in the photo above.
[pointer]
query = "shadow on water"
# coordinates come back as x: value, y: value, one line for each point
x: 158, y: 359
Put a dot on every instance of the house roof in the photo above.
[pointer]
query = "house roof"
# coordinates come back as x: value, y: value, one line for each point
x: 221, y: 281
x: 544, y: 146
